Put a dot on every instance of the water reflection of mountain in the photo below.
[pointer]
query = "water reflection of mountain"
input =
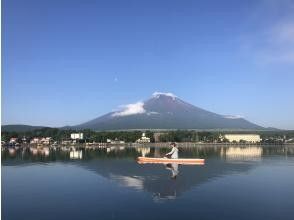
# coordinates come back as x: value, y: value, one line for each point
x: 119, y: 165
x: 156, y: 179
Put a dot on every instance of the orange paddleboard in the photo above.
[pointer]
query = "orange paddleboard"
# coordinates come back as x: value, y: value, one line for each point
x: 143, y: 160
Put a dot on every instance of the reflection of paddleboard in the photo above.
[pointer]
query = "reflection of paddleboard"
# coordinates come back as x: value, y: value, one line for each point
x: 143, y: 160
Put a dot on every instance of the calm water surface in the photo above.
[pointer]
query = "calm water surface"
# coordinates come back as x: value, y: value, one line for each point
x: 235, y: 183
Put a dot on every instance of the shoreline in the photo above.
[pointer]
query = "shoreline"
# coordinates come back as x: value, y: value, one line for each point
x: 159, y: 144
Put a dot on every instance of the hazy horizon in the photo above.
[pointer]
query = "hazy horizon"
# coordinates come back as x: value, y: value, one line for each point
x: 66, y: 62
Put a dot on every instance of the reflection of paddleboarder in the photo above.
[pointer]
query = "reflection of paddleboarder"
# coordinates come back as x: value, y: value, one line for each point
x: 174, y: 153
x: 174, y: 168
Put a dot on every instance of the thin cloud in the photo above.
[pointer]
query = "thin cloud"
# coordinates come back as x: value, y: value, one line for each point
x: 279, y: 44
x: 273, y: 42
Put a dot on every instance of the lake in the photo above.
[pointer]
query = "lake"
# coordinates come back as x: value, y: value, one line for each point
x: 250, y: 182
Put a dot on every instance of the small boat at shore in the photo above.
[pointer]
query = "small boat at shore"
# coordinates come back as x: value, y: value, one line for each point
x: 184, y: 161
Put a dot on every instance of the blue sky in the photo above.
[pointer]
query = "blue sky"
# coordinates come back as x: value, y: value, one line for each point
x: 67, y: 61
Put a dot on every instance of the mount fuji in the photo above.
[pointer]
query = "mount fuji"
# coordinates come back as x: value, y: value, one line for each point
x: 165, y: 111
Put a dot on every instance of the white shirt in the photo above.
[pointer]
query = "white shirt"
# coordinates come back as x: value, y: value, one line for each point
x: 174, y: 153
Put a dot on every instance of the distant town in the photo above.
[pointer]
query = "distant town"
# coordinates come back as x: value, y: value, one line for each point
x: 55, y: 137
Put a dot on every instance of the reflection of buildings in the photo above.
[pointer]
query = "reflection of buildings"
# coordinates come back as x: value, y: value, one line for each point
x: 76, y: 154
x: 143, y: 150
x: 253, y: 138
x: 116, y: 148
x: 41, y: 151
x: 11, y: 151
x: 143, y: 139
x: 242, y: 153
x: 34, y: 150
x: 45, y: 151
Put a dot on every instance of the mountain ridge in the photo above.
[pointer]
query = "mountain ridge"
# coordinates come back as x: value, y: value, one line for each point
x: 20, y: 127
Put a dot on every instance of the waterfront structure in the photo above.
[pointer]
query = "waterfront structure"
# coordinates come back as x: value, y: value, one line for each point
x: 66, y: 142
x: 35, y: 141
x: 24, y: 140
x: 116, y: 141
x: 143, y: 139
x: 252, y: 138
x: 77, y: 136
x: 290, y: 140
x: 13, y: 141
x: 46, y: 140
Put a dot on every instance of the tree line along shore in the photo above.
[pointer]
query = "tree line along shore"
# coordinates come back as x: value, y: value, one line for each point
x: 89, y: 136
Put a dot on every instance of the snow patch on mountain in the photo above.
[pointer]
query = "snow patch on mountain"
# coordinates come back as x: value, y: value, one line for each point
x: 233, y: 116
x: 130, y: 109
x: 153, y: 113
x: 158, y: 94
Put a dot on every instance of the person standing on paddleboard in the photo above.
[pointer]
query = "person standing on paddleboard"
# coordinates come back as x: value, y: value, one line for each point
x: 174, y: 153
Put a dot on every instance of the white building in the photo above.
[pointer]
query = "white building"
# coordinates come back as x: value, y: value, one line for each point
x: 65, y: 142
x: 12, y: 140
x: 46, y: 140
x: 116, y: 141
x: 143, y: 139
x: 35, y: 141
x: 253, y: 138
x: 76, y: 136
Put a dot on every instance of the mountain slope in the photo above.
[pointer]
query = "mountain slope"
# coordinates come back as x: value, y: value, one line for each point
x: 165, y: 111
